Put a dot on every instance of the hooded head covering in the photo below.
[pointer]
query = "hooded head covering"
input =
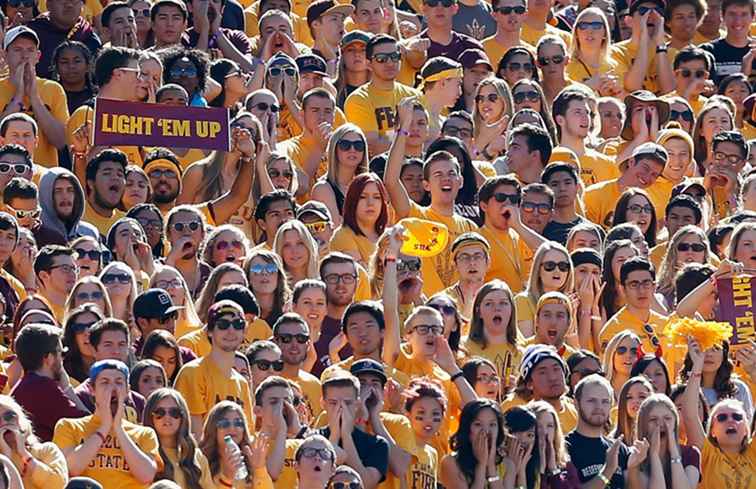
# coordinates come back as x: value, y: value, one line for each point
x: 50, y: 219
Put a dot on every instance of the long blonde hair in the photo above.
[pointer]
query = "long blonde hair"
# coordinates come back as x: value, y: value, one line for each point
x: 575, y: 49
x: 534, y: 289
x: 309, y: 242
x: 332, y: 173
x: 502, y: 89
x: 668, y: 270
x: 543, y: 407
x: 188, y: 313
x: 611, y: 348
x: 92, y: 279
x: 24, y: 423
x: 132, y: 292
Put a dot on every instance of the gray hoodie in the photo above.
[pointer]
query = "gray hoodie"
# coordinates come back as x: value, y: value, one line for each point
x: 50, y: 219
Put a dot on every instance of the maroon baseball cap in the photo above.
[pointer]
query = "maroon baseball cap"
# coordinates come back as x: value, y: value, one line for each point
x: 474, y: 57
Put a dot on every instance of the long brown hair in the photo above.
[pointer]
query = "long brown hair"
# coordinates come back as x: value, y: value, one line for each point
x: 477, y: 334
x: 625, y: 424
x: 209, y: 443
x: 353, y: 196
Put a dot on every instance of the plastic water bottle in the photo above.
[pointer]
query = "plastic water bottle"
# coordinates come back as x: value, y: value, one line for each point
x: 231, y: 445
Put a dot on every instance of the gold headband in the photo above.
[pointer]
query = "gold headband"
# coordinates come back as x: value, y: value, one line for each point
x: 162, y: 162
x: 443, y: 75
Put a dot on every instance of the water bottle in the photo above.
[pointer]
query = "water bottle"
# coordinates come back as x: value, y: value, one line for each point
x: 231, y: 445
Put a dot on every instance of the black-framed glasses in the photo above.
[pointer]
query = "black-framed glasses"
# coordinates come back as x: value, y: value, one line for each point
x: 111, y: 278
x: 697, y: 247
x: 531, y: 96
x: 161, y: 413
x: 265, y: 365
x: 557, y: 59
x: 386, y: 57
x: 596, y: 25
x: 18, y: 168
x: 223, y: 324
x: 424, y: 329
x: 287, y: 338
x: 407, y: 265
x: 93, y: 255
x: 159, y: 173
x: 531, y: 207
x: 518, y: 9
x: 550, y: 266
x: 491, y: 97
x: 724, y: 417
x: 288, y: 71
x: 730, y: 159
x: 264, y: 107
x: 640, y: 284
x: 225, y: 424
x: 334, y: 278
x: 686, y: 73
x: 191, y: 226
x: 322, y: 453
x: 502, y: 197
x: 346, y: 145
x: 637, y: 208
x: 436, y: 3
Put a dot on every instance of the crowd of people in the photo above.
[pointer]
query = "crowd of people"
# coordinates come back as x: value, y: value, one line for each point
x: 453, y: 243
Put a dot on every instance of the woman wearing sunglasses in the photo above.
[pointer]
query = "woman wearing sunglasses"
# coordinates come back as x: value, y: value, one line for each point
x: 89, y: 290
x: 169, y: 279
x: 491, y: 116
x: 528, y: 94
x: 235, y: 84
x: 551, y: 58
x: 278, y: 172
x: 551, y: 272
x: 453, y: 320
x: 166, y: 412
x: 41, y: 465
x: 619, y: 357
x: 226, y: 418
x: 267, y: 281
x: 590, y: 62
x: 161, y: 346
x: 88, y: 255
x: 347, y: 158
x: 146, y: 376
x: 688, y: 245
x: 518, y: 63
x: 728, y: 451
x: 141, y: 10
x: 345, y: 477
x: 120, y: 283
x: 225, y: 244
x: 79, y: 354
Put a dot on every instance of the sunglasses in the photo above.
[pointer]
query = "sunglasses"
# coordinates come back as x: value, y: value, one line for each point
x: 18, y: 168
x: 444, y: 309
x: 267, y: 269
x: 436, y: 3
x: 530, y: 207
x: 322, y: 453
x: 225, y: 424
x: 407, y: 265
x: 85, y: 296
x: 346, y: 485
x: 145, y: 12
x: 723, y: 417
x: 80, y: 327
x: 645, y: 10
x: 491, y: 97
x: 160, y: 413
x: 263, y: 107
x: 697, y: 247
x: 596, y: 25
x: 621, y: 350
x: 150, y: 223
x: 556, y: 59
x: 346, y: 145
x: 515, y: 66
x: 637, y: 208
x: 111, y: 278
x: 185, y: 72
x: 550, y: 266
x: 519, y: 10
x: 273, y: 173
x: 288, y: 71
x: 386, y: 57
x: 21, y: 3
x: 265, y: 365
x: 222, y: 245
x: 530, y: 96
x: 191, y: 226
x: 9, y: 416
x: 316, y: 227
x: 688, y: 73
x: 652, y: 334
x: 288, y: 338
x: 158, y: 174
x: 685, y: 115
x: 93, y: 255
x: 21, y: 214
x: 224, y: 324
x: 501, y: 198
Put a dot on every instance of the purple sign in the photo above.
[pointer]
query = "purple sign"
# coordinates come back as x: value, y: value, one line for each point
x: 119, y: 123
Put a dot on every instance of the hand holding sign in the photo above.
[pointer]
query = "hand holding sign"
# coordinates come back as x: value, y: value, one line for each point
x: 243, y: 143
x: 80, y: 141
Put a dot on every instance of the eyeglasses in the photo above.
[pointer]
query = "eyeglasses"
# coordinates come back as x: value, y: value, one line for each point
x: 21, y: 3
x: 519, y: 10
x: 467, y: 258
x: 165, y: 173
x: 688, y: 73
x: 93, y: 255
x: 501, y: 198
x: 321, y: 453
x: 266, y: 268
x: 286, y: 338
x: 9, y: 416
x: 346, y: 485
x: 515, y: 66
x: 487, y: 378
x: 111, y: 278
x: 263, y: 107
x: 444, y: 309
x: 637, y: 208
x: 145, y: 12
x: 191, y: 226
x: 66, y: 268
x: 697, y: 247
x: 424, y: 329
x: 685, y: 115
x: 273, y: 173
x: 223, y: 324
x: 317, y: 227
x: 457, y: 132
x: 521, y: 96
x: 160, y: 413
x: 18, y: 168
x: 640, y: 284
x: 21, y: 214
x: 731, y: 159
x: 491, y: 97
x: 723, y: 417
x: 644, y: 10
x: 386, y: 57
x: 436, y: 3
x: 225, y: 424
x: 530, y: 207
x: 346, y: 145
x: 88, y: 296
x: 288, y: 71
x: 168, y: 284
x: 265, y: 365
x: 407, y: 265
x: 557, y: 59
x: 222, y: 245
x: 183, y: 72
x: 550, y: 266
x: 621, y: 350
x: 596, y: 25
x: 334, y: 278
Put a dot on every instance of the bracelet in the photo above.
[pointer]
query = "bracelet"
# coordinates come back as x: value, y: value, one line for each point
x: 595, y: 318
x: 696, y: 374
x: 389, y: 259
x: 493, y: 479
x: 457, y: 375
x: 661, y: 49
x: 224, y: 483
x: 675, y: 460
x: 603, y: 478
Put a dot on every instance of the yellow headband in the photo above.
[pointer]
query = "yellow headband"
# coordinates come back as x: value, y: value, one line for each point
x: 443, y: 75
x: 468, y: 243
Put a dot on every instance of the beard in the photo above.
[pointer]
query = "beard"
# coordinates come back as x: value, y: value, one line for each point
x: 593, y: 420
x: 167, y: 198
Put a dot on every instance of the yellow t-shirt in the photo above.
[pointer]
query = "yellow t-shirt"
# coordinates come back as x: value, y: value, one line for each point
x: 311, y: 390
x: 374, y: 110
x: 206, y: 480
x: 495, y: 50
x: 568, y: 416
x: 507, y: 263
x: 532, y: 36
x: 624, y: 53
x: 400, y: 429
x: 102, y: 223
x: 524, y: 307
x: 54, y: 98
x: 108, y: 466
x: 656, y: 254
x: 624, y: 320
x: 287, y: 479
x: 439, y: 272
x: 85, y: 114
x: 52, y: 473
x: 185, y: 326
x: 728, y: 471
x: 423, y: 471
x: 600, y: 200
x: 204, y: 385
x: 575, y: 70
x: 596, y: 167
x: 198, y: 342
x: 299, y: 149
x: 506, y: 357
x: 346, y: 364
x: 347, y: 241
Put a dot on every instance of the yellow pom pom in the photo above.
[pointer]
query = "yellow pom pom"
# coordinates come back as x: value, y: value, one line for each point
x: 707, y: 333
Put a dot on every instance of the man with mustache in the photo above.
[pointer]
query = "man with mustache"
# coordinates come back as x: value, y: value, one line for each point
x: 61, y: 198
x: 105, y: 184
x: 164, y: 171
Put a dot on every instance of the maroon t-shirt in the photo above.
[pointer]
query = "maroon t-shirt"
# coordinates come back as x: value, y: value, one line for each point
x: 45, y: 402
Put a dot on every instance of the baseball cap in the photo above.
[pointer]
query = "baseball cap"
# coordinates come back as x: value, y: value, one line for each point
x: 311, y: 63
x: 18, y: 31
x: 355, y: 36
x: 315, y: 208
x: 651, y: 150
x: 281, y: 58
x: 98, y: 367
x: 221, y: 308
x: 320, y: 8
x: 154, y: 304
x: 474, y: 57
x: 368, y: 366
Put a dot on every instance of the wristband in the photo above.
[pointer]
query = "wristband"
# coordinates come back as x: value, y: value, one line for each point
x: 603, y: 479
x: 493, y: 479
x: 661, y: 49
x: 389, y: 258
x: 457, y: 375
x: 675, y: 460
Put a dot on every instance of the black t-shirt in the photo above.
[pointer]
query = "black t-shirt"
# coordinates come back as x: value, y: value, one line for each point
x: 372, y: 449
x: 557, y: 231
x: 588, y: 455
x: 727, y: 58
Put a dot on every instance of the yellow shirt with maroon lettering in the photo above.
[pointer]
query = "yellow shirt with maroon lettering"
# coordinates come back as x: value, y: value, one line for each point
x: 108, y: 466
x: 423, y: 471
x: 374, y: 110
x: 596, y: 167
x: 288, y: 476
